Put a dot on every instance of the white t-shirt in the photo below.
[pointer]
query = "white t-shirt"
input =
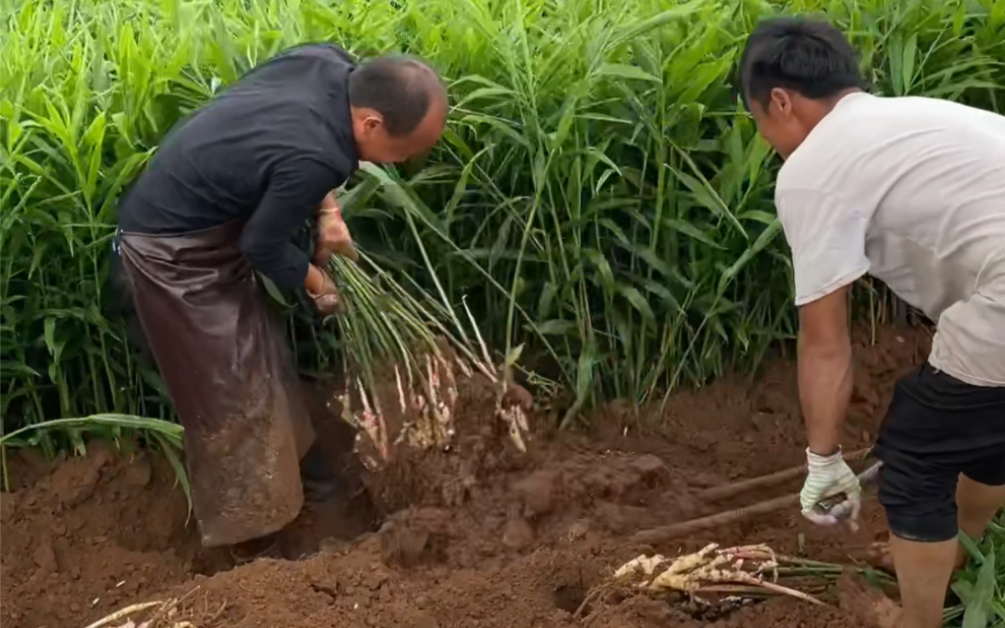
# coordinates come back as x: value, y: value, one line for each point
x: 912, y: 191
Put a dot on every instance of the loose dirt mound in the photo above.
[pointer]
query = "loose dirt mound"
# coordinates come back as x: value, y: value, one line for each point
x: 481, y: 536
x: 97, y: 532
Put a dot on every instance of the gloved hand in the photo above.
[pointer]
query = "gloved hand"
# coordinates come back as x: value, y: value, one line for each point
x: 830, y: 476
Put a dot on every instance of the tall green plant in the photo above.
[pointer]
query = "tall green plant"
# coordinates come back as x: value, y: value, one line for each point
x: 598, y: 197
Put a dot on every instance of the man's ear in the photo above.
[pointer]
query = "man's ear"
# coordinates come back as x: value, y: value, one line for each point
x: 781, y: 100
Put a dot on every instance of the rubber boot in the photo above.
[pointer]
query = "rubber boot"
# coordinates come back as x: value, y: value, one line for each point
x: 320, y: 482
x: 262, y: 547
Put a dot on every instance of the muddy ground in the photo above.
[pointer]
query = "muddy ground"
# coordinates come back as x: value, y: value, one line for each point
x: 480, y: 537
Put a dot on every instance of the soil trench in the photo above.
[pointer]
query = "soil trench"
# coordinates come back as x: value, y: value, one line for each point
x: 479, y: 537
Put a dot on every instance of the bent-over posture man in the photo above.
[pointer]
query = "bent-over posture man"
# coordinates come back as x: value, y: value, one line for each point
x: 224, y: 196
x: 912, y: 191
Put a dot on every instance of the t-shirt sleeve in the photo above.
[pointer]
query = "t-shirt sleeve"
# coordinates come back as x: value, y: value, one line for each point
x: 827, y: 238
x: 295, y: 189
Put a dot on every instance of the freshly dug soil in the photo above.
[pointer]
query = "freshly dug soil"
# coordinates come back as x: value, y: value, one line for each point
x: 479, y: 537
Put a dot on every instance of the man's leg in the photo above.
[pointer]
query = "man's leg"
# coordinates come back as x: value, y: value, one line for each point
x: 923, y: 572
x: 924, y: 569
x: 918, y: 485
x: 919, y: 499
x: 978, y: 502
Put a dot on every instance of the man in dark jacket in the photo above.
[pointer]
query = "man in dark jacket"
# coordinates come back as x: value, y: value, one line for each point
x: 224, y: 196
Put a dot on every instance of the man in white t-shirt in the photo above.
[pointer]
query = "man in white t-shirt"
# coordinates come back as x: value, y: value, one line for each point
x: 912, y: 191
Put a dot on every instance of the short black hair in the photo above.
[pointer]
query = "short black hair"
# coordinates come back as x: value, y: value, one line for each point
x: 400, y: 88
x: 810, y: 57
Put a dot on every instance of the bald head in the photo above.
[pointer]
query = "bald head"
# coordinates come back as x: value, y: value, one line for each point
x: 401, y: 89
x: 399, y: 109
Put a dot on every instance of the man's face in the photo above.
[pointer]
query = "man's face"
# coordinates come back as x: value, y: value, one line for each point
x: 375, y: 144
x: 779, y: 122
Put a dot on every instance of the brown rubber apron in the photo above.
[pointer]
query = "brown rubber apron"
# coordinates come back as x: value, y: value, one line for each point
x: 224, y: 360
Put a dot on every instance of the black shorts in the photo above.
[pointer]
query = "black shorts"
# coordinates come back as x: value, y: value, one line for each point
x: 936, y: 428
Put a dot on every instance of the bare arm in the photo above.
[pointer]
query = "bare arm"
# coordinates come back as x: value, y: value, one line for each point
x: 825, y: 369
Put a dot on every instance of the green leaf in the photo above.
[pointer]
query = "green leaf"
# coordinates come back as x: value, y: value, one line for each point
x: 910, y: 51
x: 273, y: 291
x: 603, y: 267
x: 50, y: 335
x: 626, y: 72
x: 979, y: 605
x: 762, y: 241
x: 657, y: 21
x: 485, y: 92
x: 971, y: 547
x: 763, y: 217
x: 584, y: 373
x: 690, y: 230
x: 638, y: 302
x: 513, y: 356
x: 171, y: 430
x: 169, y: 449
x: 556, y: 327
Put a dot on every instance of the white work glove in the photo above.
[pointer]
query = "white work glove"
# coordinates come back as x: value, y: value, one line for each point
x: 828, y: 477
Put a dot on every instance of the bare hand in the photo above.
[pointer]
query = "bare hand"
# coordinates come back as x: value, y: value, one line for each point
x: 333, y: 234
x: 328, y: 300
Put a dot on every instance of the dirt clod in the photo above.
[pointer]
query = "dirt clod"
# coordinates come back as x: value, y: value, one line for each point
x: 518, y: 535
x: 649, y: 466
x: 403, y: 544
x: 45, y: 557
x: 537, y: 492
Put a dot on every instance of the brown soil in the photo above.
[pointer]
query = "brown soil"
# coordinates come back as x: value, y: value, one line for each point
x: 481, y: 536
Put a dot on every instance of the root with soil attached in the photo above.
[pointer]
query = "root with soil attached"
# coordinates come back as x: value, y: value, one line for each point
x: 158, y: 614
x: 753, y: 566
x: 405, y: 359
x: 720, y: 578
x: 169, y: 613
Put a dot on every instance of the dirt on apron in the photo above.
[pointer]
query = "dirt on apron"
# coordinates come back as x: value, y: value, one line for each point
x: 228, y: 371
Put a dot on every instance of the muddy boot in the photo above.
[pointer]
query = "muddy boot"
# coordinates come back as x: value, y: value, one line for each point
x: 320, y: 482
x: 262, y: 547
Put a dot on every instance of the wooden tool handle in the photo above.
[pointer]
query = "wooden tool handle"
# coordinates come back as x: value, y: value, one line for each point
x: 677, y: 530
x: 725, y: 491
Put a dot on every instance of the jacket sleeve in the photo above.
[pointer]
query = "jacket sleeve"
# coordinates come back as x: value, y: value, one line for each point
x: 295, y: 189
